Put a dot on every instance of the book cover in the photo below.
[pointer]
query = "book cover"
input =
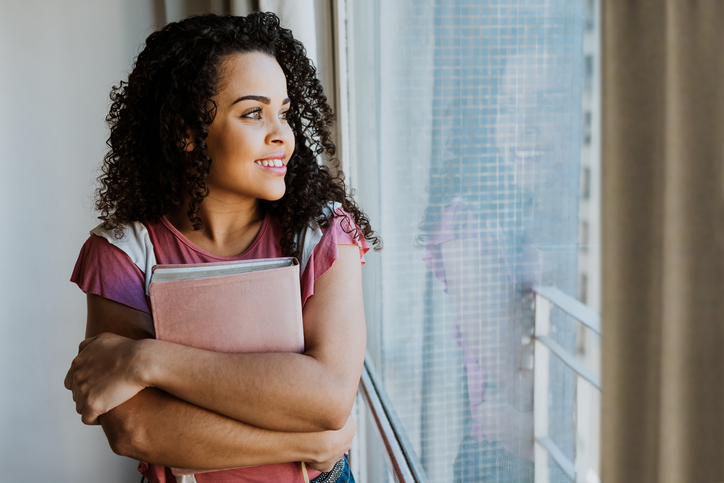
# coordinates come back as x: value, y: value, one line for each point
x: 234, y: 307
x: 242, y: 306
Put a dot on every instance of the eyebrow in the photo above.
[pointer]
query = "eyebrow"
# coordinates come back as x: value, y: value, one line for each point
x: 262, y: 99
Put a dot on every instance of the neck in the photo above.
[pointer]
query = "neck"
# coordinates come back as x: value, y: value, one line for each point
x: 227, y: 229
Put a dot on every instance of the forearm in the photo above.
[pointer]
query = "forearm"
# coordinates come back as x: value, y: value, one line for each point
x: 292, y: 392
x: 277, y: 391
x: 158, y: 428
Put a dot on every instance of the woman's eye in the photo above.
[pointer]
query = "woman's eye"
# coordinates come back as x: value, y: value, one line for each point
x: 253, y: 114
x: 283, y: 114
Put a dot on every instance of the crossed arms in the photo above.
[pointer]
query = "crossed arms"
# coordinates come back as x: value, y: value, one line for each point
x: 178, y: 406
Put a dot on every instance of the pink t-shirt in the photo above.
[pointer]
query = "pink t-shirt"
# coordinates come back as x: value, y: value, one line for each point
x: 105, y: 270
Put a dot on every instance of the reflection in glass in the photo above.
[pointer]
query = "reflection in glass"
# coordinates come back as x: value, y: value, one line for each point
x: 491, y: 238
x: 478, y: 177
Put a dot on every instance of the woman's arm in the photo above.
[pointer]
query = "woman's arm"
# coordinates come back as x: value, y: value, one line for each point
x: 479, y: 304
x: 313, y: 391
x: 487, y: 331
x: 156, y: 427
x: 159, y: 428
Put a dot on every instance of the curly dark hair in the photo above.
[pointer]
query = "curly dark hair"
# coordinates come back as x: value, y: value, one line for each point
x: 169, y: 94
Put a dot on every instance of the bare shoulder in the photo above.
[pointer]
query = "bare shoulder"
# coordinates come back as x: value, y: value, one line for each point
x: 344, y: 277
x: 334, y: 315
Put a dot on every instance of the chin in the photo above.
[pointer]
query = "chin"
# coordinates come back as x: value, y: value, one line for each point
x: 273, y: 195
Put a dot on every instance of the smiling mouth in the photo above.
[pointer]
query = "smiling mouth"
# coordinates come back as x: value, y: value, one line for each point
x: 275, y: 167
x: 525, y: 155
x: 274, y: 163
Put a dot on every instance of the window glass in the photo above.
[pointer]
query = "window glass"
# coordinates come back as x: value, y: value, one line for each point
x: 472, y: 139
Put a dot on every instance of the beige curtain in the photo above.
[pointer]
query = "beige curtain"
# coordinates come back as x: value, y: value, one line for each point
x: 663, y: 241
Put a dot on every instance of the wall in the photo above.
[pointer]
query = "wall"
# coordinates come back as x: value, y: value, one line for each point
x: 59, y: 60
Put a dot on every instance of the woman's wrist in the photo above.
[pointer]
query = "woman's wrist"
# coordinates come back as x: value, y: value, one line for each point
x: 145, y: 366
x: 306, y: 446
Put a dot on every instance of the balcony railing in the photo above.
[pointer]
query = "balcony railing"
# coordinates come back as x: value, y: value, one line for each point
x: 402, y: 460
x: 403, y: 463
x: 545, y: 447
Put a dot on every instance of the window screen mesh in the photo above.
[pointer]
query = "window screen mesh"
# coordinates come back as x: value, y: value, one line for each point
x: 468, y: 126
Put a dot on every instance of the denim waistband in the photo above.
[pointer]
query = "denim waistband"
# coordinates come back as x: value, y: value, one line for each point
x: 341, y: 468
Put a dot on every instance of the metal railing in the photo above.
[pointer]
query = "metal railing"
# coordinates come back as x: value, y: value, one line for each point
x: 403, y: 462
x: 547, y: 298
x: 401, y: 457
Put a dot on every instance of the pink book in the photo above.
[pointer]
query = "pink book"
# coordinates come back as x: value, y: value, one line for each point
x: 232, y: 307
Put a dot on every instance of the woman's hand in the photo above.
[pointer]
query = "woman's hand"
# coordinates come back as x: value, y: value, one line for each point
x: 282, y: 391
x: 105, y: 374
x: 336, y: 444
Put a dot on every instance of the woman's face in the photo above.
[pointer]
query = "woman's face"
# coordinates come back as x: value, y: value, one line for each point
x: 533, y: 117
x: 249, y: 141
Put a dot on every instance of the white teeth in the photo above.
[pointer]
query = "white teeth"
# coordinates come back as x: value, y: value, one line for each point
x: 270, y: 162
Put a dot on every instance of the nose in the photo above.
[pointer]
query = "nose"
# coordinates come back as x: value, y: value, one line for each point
x: 525, y: 129
x: 529, y: 128
x: 279, y: 133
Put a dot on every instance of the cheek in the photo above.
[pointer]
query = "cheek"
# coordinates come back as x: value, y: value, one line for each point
x: 289, y: 134
x: 504, y: 129
x: 217, y: 147
x: 553, y: 133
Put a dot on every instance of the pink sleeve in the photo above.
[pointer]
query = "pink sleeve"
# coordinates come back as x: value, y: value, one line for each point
x: 105, y: 270
x: 342, y: 231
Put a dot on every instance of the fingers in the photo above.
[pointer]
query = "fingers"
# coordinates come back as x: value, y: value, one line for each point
x: 78, y: 390
x: 326, y: 468
x: 68, y: 381
x: 68, y: 378
x: 79, y: 402
x: 72, y: 373
x: 86, y: 405
x: 89, y: 417
x: 335, y: 445
x: 85, y: 342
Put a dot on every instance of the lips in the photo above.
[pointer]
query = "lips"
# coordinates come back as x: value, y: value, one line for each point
x: 525, y: 154
x: 529, y: 153
x: 274, y: 162
x: 273, y: 166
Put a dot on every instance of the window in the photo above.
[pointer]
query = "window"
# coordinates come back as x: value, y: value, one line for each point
x: 584, y: 240
x: 587, y: 116
x: 465, y: 147
x: 586, y: 183
x: 583, y: 297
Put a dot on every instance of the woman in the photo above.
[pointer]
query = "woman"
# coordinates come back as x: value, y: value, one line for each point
x: 213, y: 153
x: 489, y: 243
